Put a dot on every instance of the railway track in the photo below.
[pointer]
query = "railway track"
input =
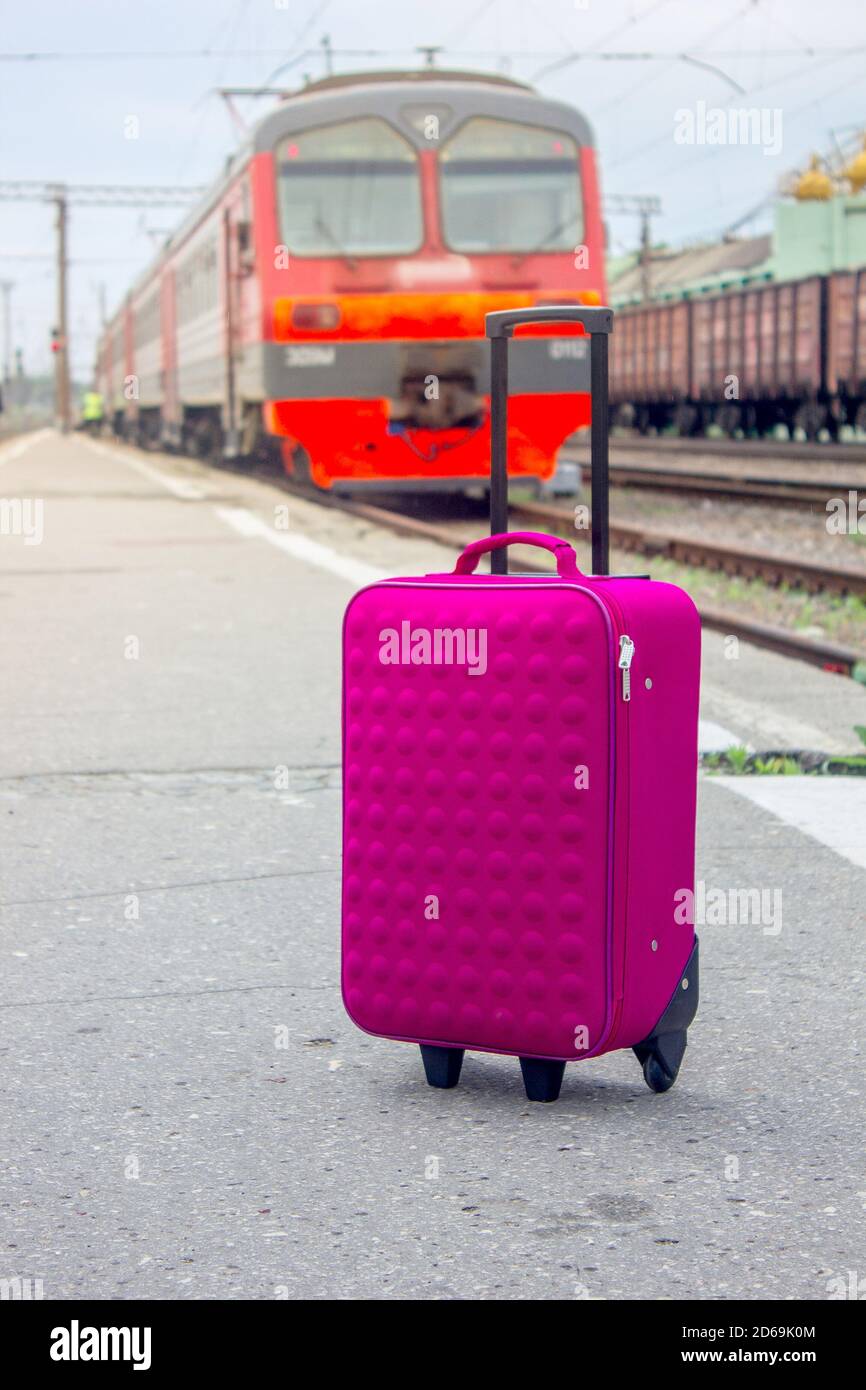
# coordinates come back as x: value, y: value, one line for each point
x: 831, y: 656
x: 733, y: 468
x: 801, y: 492
x: 737, y: 561
x: 756, y: 449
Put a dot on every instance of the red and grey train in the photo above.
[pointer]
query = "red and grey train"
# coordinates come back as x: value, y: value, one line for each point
x: 329, y: 293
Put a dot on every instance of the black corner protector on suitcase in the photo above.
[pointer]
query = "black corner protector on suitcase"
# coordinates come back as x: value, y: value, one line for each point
x: 662, y: 1051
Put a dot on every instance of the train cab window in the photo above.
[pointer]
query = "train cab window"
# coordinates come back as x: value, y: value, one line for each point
x: 510, y: 187
x: 349, y: 190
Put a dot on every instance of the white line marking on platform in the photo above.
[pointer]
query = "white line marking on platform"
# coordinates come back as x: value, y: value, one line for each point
x: 20, y: 446
x: 179, y: 487
x: 714, y: 738
x: 832, y: 810
x: 300, y: 547
x: 767, y: 726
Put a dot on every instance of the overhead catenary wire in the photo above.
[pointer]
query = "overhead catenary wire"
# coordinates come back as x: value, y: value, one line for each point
x: 593, y: 49
x: 749, y: 93
x: 697, y: 56
x: 617, y: 55
x: 230, y: 30
x: 296, y: 56
x: 100, y: 194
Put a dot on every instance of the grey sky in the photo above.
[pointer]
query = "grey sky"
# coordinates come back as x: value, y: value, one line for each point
x: 63, y: 118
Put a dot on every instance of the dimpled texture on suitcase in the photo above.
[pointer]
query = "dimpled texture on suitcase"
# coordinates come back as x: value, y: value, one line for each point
x: 475, y: 893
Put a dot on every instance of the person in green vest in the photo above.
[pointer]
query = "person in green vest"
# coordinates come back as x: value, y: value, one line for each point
x: 91, y: 411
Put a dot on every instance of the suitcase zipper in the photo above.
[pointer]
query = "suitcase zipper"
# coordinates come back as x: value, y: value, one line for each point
x: 626, y: 656
x: 623, y: 797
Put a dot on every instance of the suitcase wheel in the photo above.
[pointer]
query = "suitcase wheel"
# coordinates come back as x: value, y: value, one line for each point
x: 661, y: 1060
x: 442, y: 1065
x: 661, y: 1053
x: 542, y: 1078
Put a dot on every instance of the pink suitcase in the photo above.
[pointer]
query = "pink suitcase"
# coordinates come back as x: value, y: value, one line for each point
x: 520, y: 768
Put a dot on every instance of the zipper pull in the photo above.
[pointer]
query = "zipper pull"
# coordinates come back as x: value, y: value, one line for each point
x: 626, y: 656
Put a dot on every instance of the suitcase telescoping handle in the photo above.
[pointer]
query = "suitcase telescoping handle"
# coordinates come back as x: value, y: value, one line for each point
x: 598, y: 322
x: 566, y: 560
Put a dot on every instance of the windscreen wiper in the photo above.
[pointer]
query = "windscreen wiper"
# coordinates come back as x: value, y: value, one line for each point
x: 322, y: 226
x: 551, y: 235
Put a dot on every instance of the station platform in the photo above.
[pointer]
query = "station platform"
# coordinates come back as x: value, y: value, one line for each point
x: 187, y: 1112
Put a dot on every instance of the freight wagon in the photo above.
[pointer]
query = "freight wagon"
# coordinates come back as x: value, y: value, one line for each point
x: 778, y: 353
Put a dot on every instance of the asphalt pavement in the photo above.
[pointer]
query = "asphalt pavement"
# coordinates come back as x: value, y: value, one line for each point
x: 187, y: 1112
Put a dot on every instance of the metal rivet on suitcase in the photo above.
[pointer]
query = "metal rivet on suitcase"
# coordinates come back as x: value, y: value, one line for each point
x: 685, y: 984
x: 648, y: 683
x: 655, y: 945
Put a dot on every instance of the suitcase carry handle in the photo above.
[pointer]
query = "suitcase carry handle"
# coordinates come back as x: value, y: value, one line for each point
x: 501, y: 322
x: 566, y: 559
x: 598, y: 322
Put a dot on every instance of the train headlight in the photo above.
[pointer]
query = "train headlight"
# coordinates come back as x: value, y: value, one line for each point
x: 315, y: 317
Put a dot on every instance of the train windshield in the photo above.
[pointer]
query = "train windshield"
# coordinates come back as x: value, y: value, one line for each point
x: 349, y: 189
x: 509, y: 187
